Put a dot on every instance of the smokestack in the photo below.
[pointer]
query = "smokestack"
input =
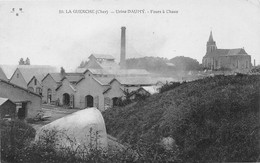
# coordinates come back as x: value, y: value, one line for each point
x: 122, y: 54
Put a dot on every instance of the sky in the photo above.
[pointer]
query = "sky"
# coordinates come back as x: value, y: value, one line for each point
x: 48, y: 37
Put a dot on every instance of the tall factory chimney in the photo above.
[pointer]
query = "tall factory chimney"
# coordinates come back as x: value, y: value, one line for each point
x: 122, y: 54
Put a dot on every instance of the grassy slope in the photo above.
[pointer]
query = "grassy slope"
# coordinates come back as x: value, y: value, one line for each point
x: 213, y: 119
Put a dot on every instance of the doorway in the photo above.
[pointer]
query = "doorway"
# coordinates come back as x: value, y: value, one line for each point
x: 66, y: 99
x: 115, y: 101
x: 49, y: 95
x: 22, y: 111
x: 89, y: 101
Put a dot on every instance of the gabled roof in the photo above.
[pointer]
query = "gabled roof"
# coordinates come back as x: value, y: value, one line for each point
x: 163, y: 80
x: 227, y: 52
x: 71, y: 86
x: 2, y: 75
x: 109, y: 88
x: 105, y: 91
x: 97, y: 71
x: 55, y: 76
x: 151, y: 89
x: 80, y: 70
x: 103, y: 80
x: 3, y: 100
x: 9, y: 70
x: 74, y: 77
x: 134, y: 80
x: 28, y: 71
x: 102, y: 56
x: 38, y: 77
x: 141, y: 80
x: 129, y: 72
x: 109, y: 65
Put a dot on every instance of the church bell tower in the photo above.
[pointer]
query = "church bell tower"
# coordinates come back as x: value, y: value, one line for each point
x: 211, y: 44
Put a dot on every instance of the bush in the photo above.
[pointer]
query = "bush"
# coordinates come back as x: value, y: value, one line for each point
x: 47, y: 150
x: 15, y: 136
x: 212, y: 120
x: 168, y: 86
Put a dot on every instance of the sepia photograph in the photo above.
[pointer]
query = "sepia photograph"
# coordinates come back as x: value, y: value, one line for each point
x: 129, y: 81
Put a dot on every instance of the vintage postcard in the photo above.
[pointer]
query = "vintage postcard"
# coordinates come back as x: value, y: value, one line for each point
x: 130, y: 80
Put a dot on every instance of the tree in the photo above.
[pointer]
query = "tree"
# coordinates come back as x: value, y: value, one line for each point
x: 21, y: 61
x: 27, y: 61
x: 186, y: 63
x: 82, y: 64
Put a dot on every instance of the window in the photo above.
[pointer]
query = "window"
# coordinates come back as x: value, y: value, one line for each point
x: 17, y: 75
x: 216, y: 64
x: 35, y: 81
x: 39, y: 91
x: 246, y: 64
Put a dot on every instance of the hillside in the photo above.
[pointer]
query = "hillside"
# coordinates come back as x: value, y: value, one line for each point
x: 163, y: 65
x: 212, y: 119
x: 186, y: 63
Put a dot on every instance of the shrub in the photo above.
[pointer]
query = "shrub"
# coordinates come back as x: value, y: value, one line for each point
x: 46, y: 149
x: 15, y: 136
x: 212, y: 120
x: 168, y: 86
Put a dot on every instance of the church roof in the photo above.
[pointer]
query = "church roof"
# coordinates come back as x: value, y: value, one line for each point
x: 227, y: 52
x: 211, y: 37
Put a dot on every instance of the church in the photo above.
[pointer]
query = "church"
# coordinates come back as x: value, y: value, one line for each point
x: 236, y: 60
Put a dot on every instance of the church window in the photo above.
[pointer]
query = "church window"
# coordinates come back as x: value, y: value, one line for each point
x: 35, y: 81
x: 246, y: 64
x: 17, y: 75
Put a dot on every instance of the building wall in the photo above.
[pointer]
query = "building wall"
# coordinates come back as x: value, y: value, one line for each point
x: 92, y: 63
x: 16, y: 94
x: 49, y: 83
x: 8, y: 108
x: 34, y: 86
x: 89, y: 86
x: 114, y: 91
x: 18, y: 79
x: 236, y: 62
x: 65, y: 88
